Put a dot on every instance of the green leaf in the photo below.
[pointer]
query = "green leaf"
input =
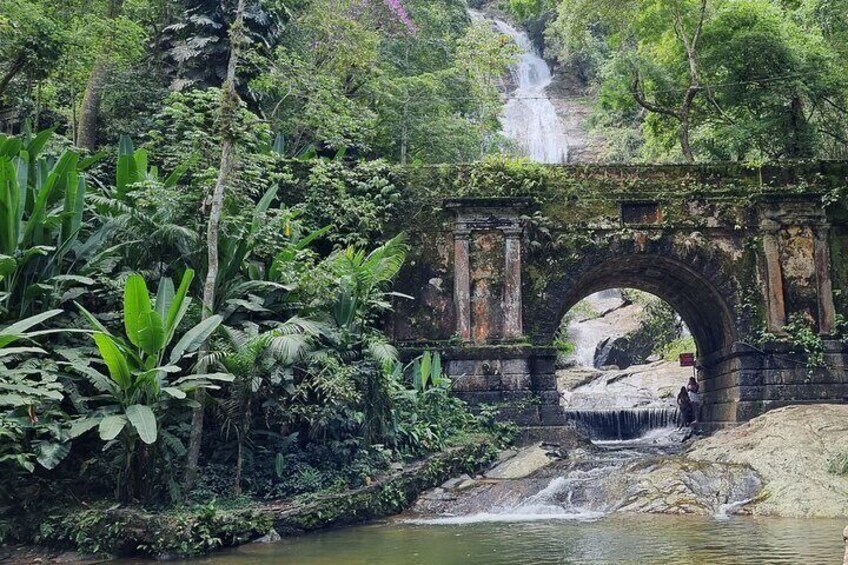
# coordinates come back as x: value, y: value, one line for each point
x: 7, y: 266
x: 92, y: 321
x: 151, y: 334
x: 18, y: 330
x: 6, y: 351
x: 87, y: 281
x: 114, y: 359
x: 174, y: 392
x: 38, y: 142
x: 51, y: 454
x: 178, y: 306
x: 223, y: 377
x: 164, y: 297
x: 194, y: 337
x: 144, y: 422
x: 82, y: 425
x: 111, y: 426
x: 136, y: 303
x: 279, y: 465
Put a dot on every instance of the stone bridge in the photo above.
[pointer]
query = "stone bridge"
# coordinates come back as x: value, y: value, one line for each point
x: 751, y: 259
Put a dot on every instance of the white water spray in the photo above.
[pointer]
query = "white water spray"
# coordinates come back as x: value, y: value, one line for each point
x: 529, y: 117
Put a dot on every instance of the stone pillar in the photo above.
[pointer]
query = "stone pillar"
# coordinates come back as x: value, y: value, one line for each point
x: 774, y: 279
x: 824, y: 286
x: 512, y: 284
x: 462, y: 283
x: 513, y: 326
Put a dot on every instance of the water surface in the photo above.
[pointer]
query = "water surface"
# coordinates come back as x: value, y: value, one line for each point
x: 614, y: 539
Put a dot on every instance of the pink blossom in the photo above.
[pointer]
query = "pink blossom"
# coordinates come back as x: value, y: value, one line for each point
x: 396, y: 7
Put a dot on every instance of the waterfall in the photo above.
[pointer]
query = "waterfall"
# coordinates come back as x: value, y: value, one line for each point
x: 529, y: 117
x: 624, y: 424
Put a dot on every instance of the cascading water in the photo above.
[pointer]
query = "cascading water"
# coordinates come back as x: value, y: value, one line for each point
x: 529, y: 117
x: 620, y: 425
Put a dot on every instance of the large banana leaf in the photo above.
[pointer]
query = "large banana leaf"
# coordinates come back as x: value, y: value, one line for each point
x: 144, y: 421
x: 194, y: 337
x: 115, y: 360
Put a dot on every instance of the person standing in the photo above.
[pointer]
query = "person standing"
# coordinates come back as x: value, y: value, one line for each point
x: 684, y: 409
x: 693, y: 389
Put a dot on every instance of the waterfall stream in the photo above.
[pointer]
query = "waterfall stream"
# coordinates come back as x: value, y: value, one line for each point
x: 529, y: 117
x: 620, y: 425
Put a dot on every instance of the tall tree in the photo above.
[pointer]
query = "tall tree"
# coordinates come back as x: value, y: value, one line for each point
x: 90, y: 107
x: 230, y: 102
x: 689, y: 36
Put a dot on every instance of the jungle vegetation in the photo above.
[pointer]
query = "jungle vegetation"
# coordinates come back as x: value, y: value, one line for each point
x: 200, y: 214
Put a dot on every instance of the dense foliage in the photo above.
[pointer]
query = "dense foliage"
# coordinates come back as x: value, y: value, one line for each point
x: 401, y: 80
x: 103, y: 347
x: 706, y: 79
x: 201, y: 212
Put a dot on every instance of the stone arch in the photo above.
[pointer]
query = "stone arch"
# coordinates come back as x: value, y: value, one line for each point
x: 694, y: 286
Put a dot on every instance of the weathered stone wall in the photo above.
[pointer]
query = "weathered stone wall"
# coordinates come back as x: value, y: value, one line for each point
x: 738, y: 252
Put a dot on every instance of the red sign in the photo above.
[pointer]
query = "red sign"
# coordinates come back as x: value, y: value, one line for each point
x: 687, y: 359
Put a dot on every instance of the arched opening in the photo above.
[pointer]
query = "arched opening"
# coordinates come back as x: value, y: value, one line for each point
x: 622, y: 395
x: 689, y: 292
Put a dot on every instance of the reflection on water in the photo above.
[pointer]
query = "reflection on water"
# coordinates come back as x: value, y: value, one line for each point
x: 615, y: 539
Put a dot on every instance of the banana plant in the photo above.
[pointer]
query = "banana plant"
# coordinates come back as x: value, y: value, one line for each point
x: 133, y: 168
x: 126, y: 217
x: 41, y: 215
x: 427, y: 372
x: 147, y: 379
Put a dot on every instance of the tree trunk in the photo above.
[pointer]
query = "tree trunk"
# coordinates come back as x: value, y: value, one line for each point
x: 90, y: 108
x: 14, y: 69
x: 229, y: 110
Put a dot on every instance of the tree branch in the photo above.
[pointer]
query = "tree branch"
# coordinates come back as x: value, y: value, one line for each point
x: 639, y: 96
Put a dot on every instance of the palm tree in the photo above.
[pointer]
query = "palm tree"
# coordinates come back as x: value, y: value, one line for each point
x: 256, y: 359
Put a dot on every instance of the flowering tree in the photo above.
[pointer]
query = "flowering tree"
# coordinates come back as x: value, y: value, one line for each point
x: 400, y: 11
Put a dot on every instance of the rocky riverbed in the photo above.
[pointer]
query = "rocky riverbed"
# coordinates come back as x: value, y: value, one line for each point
x: 780, y: 464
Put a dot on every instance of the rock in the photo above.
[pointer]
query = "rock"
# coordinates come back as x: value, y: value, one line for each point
x: 845, y: 541
x: 680, y: 486
x: 76, y: 557
x: 271, y: 537
x: 506, y: 454
x: 655, y: 386
x: 792, y: 449
x: 466, y: 484
x: 525, y: 463
x: 610, y: 368
x: 453, y: 483
x: 437, y: 493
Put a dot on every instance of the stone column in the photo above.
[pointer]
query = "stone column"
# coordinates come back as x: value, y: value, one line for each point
x: 824, y: 286
x: 513, y: 326
x: 774, y: 279
x: 462, y: 282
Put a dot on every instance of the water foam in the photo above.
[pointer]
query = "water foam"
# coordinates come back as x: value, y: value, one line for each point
x: 529, y: 117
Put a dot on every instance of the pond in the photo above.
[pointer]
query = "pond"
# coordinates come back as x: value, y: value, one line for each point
x: 613, y: 539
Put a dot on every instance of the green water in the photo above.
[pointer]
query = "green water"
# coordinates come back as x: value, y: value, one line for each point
x: 615, y: 539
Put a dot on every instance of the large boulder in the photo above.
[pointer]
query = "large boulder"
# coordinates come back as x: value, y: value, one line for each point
x: 795, y: 450
x: 523, y: 464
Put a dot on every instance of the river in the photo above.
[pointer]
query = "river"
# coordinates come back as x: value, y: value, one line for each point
x: 562, y: 519
x: 618, y: 539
